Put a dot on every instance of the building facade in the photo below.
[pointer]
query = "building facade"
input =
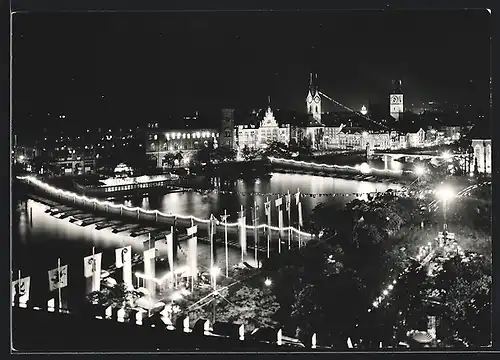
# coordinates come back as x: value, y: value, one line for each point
x: 416, y: 139
x: 259, y: 136
x: 482, y: 155
x: 313, y: 99
x: 227, y: 128
x: 160, y: 142
x: 396, y: 105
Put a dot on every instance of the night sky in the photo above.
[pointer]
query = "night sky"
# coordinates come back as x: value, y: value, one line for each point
x: 102, y: 66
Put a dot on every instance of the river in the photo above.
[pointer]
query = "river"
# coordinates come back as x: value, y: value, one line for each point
x: 37, y: 245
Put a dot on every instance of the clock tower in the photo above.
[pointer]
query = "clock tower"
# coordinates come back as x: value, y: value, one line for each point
x: 313, y: 99
x: 396, y: 107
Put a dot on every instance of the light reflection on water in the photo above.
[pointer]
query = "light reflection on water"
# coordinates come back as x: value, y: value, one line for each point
x: 36, y: 248
x: 243, y: 192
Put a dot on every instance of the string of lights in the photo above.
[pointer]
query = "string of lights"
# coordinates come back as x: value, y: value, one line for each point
x: 363, y: 168
x: 75, y: 196
x: 302, y: 195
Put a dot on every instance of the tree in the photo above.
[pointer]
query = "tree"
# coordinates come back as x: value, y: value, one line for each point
x: 223, y: 154
x: 169, y: 160
x: 276, y: 149
x: 119, y: 296
x: 179, y: 157
x: 466, y: 281
x: 249, y: 306
x: 249, y: 154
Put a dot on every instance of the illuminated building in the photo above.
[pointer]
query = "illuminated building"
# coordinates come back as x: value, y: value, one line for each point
x: 259, y: 136
x: 396, y: 107
x: 363, y: 110
x: 416, y: 139
x: 227, y: 128
x: 313, y: 99
x: 186, y: 142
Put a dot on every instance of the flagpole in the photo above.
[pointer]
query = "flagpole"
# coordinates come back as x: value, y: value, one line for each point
x: 93, y: 268
x: 18, y: 295
x: 268, y: 226
x: 225, y: 240
x: 192, y: 275
x: 211, y: 229
x: 243, y: 228
x: 59, y: 283
x: 256, y: 233
x: 289, y: 220
x: 298, y: 208
x: 174, y: 275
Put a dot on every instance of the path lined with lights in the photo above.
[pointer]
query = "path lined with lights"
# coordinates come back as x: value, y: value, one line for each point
x: 362, y: 169
x: 74, y: 196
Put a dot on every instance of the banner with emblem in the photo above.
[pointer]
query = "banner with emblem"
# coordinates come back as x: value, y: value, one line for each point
x: 21, y: 288
x: 297, y: 197
x: 267, y: 207
x: 123, y: 256
x: 278, y: 202
x: 58, y: 278
x: 287, y: 201
x: 92, y: 265
x: 124, y: 260
x: 192, y: 230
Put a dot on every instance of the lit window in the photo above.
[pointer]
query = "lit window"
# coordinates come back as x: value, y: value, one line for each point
x: 189, y: 136
x: 156, y: 137
x: 183, y: 136
x: 198, y: 135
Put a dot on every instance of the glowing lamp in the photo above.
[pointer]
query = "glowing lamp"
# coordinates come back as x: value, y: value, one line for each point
x: 215, y: 271
x: 365, y: 168
x: 268, y: 282
x: 445, y: 193
x: 419, y: 170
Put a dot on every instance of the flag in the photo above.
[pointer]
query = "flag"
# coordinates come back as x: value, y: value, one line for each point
x: 297, y: 197
x: 301, y: 222
x: 243, y: 234
x: 21, y: 288
x: 169, y: 238
x: 58, y: 278
x: 287, y: 201
x: 278, y: 201
x: 150, y: 254
x: 349, y: 343
x: 123, y: 256
x: 92, y: 265
x: 192, y: 230
x: 213, y: 225
x: 192, y: 259
x: 267, y: 207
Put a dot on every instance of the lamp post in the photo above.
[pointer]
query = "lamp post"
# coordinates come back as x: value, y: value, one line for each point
x: 445, y: 193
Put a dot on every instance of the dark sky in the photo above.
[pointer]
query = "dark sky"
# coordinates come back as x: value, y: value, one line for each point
x: 146, y: 65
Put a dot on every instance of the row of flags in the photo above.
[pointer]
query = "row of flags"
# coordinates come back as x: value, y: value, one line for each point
x: 305, y: 195
x: 92, y: 264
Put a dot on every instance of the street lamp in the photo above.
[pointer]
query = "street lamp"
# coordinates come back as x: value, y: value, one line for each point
x: 446, y: 156
x: 445, y: 193
x: 419, y: 170
x: 268, y: 282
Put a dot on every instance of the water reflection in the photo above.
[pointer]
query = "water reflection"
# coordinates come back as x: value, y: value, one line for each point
x: 245, y: 192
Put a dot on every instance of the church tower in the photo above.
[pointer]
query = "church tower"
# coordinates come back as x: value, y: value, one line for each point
x: 313, y: 99
x: 396, y: 107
